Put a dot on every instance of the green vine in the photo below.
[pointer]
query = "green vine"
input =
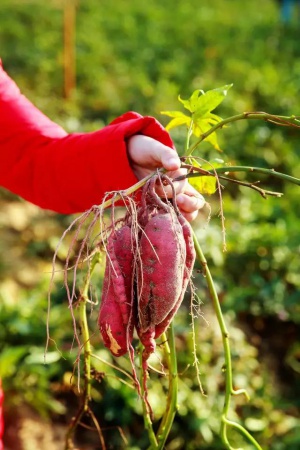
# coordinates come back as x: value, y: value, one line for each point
x: 171, y: 406
x: 249, y: 169
x: 146, y: 413
x: 87, y: 353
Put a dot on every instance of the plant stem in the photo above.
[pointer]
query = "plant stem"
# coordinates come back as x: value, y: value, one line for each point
x: 225, y: 335
x: 188, y: 136
x: 87, y: 357
x: 171, y: 408
x: 85, y: 330
x: 199, y: 172
x: 247, y: 169
x: 229, y: 391
x: 87, y: 353
x: 146, y: 413
x: 250, y: 169
x: 278, y: 120
x: 262, y: 192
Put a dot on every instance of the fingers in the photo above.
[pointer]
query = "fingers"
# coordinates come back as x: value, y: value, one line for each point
x: 169, y: 159
x: 189, y: 216
x: 189, y: 204
x: 159, y: 155
x: 189, y: 201
x: 146, y: 154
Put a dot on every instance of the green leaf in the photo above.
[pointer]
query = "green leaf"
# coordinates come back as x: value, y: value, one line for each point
x: 200, y: 127
x: 203, y: 184
x: 178, y: 119
x: 192, y: 103
x: 174, y: 114
x: 37, y: 356
x: 10, y: 358
x: 201, y: 103
x: 214, y: 118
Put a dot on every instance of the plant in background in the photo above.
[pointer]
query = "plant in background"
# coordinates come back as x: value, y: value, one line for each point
x: 134, y: 256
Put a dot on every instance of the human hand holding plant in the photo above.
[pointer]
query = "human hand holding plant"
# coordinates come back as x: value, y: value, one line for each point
x: 147, y: 154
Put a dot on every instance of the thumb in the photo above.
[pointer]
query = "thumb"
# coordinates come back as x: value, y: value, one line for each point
x: 169, y: 159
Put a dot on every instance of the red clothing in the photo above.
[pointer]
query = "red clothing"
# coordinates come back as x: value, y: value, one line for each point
x: 67, y: 173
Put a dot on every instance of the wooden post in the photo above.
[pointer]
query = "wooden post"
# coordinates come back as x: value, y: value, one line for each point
x: 69, y: 47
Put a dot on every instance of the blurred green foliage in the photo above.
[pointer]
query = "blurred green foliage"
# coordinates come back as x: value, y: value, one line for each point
x: 140, y: 56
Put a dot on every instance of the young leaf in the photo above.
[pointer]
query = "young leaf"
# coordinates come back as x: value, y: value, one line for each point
x: 201, y: 103
x: 178, y: 119
x: 204, y: 185
x: 200, y: 127
x: 192, y: 103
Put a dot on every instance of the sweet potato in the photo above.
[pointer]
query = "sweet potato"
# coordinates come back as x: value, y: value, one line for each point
x: 189, y: 264
x: 113, y: 330
x: 144, y: 284
x: 115, y: 316
x: 167, y: 260
x: 160, y: 275
x: 189, y: 245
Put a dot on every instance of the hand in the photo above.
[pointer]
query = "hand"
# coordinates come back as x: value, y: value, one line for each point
x: 146, y: 154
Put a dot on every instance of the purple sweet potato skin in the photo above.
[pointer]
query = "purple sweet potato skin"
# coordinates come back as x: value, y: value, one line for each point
x: 112, y: 328
x: 115, y: 316
x: 189, y: 265
x: 124, y: 253
x: 163, y: 255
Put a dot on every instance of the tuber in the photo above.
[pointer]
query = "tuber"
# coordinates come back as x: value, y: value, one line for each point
x: 116, y: 314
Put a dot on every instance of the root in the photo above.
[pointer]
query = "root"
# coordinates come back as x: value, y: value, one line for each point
x: 145, y: 389
x: 81, y: 219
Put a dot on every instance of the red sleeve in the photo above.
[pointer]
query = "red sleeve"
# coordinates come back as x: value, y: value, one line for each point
x: 67, y: 173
